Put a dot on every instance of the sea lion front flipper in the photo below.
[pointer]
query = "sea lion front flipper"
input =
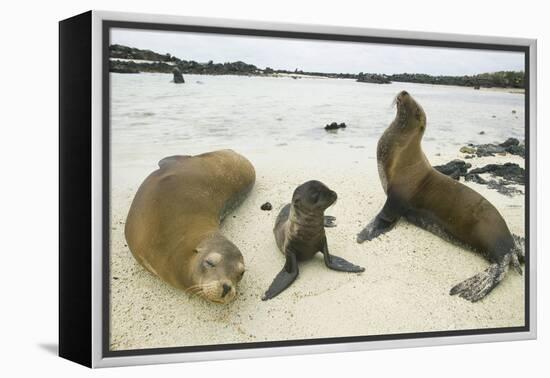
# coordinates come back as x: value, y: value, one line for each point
x: 338, y: 263
x: 284, y: 278
x: 329, y: 221
x: 383, y: 222
x: 477, y: 287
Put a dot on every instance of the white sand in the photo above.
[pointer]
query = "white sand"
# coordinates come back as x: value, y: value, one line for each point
x: 404, y: 288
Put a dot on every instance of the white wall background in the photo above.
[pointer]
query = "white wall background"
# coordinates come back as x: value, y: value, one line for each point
x: 28, y: 188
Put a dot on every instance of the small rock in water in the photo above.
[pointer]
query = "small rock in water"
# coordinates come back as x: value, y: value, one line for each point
x: 266, y: 206
x: 494, y: 116
x: 335, y: 126
x: 482, y: 132
x: 514, y: 112
x: 178, y: 77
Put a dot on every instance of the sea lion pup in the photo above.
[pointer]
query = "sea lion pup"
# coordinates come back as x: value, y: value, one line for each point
x: 173, y: 226
x: 300, y: 233
x: 437, y: 203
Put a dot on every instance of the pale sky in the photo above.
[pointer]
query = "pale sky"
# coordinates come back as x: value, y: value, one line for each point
x: 320, y: 56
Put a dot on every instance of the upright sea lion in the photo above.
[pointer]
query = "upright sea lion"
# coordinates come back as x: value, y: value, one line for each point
x: 437, y: 203
x: 300, y: 234
x: 173, y: 226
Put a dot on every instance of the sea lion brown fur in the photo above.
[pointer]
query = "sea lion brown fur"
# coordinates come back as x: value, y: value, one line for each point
x: 300, y: 234
x: 435, y: 202
x: 173, y: 226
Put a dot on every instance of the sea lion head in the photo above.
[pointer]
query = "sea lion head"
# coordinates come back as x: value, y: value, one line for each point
x: 313, y: 196
x: 216, y: 269
x: 410, y: 115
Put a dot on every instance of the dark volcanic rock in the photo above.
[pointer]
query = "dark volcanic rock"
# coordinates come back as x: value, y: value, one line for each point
x: 474, y: 177
x: 266, y: 206
x: 511, y: 146
x: 178, y: 77
x: 509, y: 142
x: 335, y: 126
x: 517, y: 150
x: 122, y: 67
x: 510, y: 172
x: 454, y: 169
x: 489, y: 150
x: 500, y: 186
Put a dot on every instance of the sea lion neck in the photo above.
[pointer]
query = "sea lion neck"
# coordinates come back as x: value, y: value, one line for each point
x: 305, y: 225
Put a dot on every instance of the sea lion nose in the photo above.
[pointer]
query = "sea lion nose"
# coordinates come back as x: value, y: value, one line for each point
x: 226, y: 289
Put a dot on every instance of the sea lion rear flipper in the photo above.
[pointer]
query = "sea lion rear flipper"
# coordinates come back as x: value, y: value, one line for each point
x: 338, y: 263
x: 284, y: 278
x: 383, y: 222
x: 519, y: 247
x: 329, y: 221
x: 172, y: 159
x: 477, y: 287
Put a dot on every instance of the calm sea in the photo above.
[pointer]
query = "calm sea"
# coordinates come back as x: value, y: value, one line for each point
x: 152, y: 117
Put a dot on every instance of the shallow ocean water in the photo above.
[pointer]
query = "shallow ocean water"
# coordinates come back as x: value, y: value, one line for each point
x: 259, y: 114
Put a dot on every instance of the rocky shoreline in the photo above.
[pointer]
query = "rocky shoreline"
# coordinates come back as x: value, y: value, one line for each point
x: 511, y: 145
x: 504, y: 178
x: 124, y: 59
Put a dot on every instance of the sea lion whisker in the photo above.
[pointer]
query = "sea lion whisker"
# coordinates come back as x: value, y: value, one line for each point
x: 191, y: 288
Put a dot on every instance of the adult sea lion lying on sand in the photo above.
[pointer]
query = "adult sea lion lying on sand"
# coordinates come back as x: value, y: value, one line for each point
x: 438, y: 203
x: 173, y: 226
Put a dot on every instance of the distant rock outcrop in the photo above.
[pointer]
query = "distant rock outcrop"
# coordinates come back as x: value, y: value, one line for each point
x: 373, y: 78
x: 178, y: 77
x: 130, y: 60
x: 122, y: 67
